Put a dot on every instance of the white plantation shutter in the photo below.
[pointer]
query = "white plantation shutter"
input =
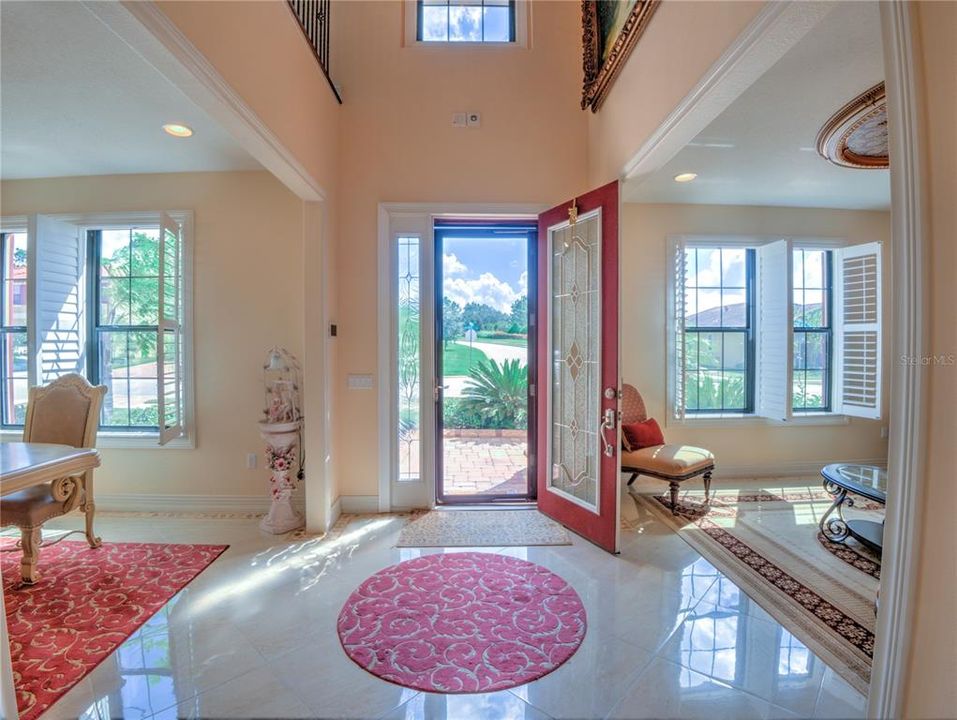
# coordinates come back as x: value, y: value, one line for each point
x: 676, y: 338
x: 169, y: 341
x: 56, y: 332
x: 858, y: 330
x: 774, y: 331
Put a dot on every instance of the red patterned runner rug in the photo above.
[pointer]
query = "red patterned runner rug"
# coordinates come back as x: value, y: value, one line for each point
x: 85, y: 605
x: 769, y: 544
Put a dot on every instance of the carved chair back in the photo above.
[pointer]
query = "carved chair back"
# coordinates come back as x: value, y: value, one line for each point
x: 65, y: 412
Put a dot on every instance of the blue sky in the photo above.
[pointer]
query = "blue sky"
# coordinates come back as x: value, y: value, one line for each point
x: 485, y: 270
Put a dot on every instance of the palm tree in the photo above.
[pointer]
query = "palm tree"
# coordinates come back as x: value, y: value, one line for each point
x: 498, y: 393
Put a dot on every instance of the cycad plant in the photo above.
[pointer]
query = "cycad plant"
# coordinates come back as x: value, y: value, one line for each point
x: 498, y: 393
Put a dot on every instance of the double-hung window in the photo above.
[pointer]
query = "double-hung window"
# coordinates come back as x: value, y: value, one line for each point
x: 108, y: 297
x: 14, y: 361
x: 774, y: 328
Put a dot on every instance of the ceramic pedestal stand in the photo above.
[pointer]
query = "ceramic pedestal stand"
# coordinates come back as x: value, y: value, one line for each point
x: 281, y: 439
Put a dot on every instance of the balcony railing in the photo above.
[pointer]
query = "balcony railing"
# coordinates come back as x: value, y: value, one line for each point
x: 313, y: 17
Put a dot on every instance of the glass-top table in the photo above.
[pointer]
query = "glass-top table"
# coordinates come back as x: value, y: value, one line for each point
x: 864, y: 480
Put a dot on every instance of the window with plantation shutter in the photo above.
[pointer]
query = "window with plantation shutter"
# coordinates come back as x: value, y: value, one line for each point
x: 858, y: 336
x: 56, y: 330
x: 169, y: 340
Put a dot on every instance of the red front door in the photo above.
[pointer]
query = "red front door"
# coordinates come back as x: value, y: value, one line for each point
x: 578, y: 445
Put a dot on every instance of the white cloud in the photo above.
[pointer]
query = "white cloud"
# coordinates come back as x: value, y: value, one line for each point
x: 523, y: 283
x: 451, y: 265
x: 486, y: 289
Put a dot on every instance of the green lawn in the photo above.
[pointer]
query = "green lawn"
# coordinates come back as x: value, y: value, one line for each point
x: 512, y: 341
x: 456, y: 360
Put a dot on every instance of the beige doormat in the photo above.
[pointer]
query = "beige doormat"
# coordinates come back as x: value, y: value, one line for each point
x: 482, y: 528
x: 768, y: 543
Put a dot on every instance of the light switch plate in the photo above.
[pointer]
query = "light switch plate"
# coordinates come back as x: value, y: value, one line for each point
x: 460, y: 120
x: 360, y: 382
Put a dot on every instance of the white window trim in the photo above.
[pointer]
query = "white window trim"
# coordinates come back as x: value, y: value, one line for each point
x: 522, y: 37
x: 111, y: 220
x: 798, y: 419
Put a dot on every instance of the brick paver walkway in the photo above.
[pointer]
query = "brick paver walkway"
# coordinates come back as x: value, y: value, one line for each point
x: 485, y: 465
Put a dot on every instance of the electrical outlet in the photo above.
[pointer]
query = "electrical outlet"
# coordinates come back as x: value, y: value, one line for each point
x: 475, y: 119
x: 251, y: 460
x: 460, y: 120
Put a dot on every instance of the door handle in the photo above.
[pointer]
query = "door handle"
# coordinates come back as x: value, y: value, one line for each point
x: 609, y: 422
x: 437, y: 391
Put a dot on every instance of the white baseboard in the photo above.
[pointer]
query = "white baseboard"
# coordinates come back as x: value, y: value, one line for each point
x: 359, y: 504
x: 334, y: 512
x: 785, y: 469
x: 136, y: 502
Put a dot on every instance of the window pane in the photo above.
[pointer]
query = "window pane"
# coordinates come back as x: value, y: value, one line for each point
x: 734, y: 308
x: 143, y: 407
x: 708, y: 268
x: 813, y: 308
x: 814, y: 268
x: 127, y: 364
x: 732, y: 390
x: 496, y: 27
x: 15, y: 279
x: 798, y: 307
x: 799, y: 350
x: 114, y: 253
x: 407, y: 385
x: 709, y: 309
x: 114, y: 301
x: 734, y: 351
x: 15, y: 383
x: 816, y: 351
x: 733, y: 267
x: 435, y: 23
x: 144, y: 252
x: 144, y: 301
x: 709, y: 350
x: 465, y: 24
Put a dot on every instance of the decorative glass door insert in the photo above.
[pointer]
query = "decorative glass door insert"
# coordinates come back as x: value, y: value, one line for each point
x: 575, y: 279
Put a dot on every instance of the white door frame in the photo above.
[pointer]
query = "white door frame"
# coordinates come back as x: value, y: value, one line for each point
x: 777, y: 28
x: 416, y: 219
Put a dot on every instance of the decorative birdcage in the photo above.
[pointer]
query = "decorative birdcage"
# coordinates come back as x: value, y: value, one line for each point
x: 282, y: 382
x: 281, y: 428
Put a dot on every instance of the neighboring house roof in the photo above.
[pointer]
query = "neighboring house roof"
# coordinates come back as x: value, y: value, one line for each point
x: 735, y: 315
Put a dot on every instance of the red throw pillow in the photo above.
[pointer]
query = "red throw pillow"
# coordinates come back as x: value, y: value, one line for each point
x: 643, y: 434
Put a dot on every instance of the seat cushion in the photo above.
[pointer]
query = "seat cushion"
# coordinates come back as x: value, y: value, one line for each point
x: 669, y: 460
x: 30, y: 507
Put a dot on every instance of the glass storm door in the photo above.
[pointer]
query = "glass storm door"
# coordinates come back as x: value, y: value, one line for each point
x: 578, y: 442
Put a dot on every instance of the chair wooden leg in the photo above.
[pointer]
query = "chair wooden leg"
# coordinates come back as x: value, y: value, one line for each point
x: 673, y: 487
x: 89, y: 509
x: 30, y: 539
x: 707, y: 486
x: 631, y: 480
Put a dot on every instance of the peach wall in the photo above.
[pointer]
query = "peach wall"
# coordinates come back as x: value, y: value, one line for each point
x: 682, y: 41
x: 397, y: 144
x: 644, y: 272
x: 930, y: 688
x: 259, y: 50
x: 247, y: 233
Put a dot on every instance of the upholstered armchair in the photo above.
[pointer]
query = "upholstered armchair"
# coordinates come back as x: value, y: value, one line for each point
x: 65, y: 412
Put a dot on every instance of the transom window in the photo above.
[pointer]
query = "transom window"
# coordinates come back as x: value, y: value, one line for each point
x: 14, y: 362
x: 489, y: 21
x: 812, y: 330
x: 719, y: 342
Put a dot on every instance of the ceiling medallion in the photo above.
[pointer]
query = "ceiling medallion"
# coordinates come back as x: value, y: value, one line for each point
x: 856, y: 135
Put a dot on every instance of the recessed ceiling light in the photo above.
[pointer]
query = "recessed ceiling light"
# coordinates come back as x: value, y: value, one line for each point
x: 177, y: 130
x: 685, y: 177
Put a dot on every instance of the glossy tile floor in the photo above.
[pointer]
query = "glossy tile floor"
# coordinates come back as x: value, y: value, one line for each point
x: 254, y: 636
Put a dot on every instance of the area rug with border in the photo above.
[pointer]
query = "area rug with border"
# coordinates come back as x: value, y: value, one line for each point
x: 769, y: 544
x: 463, y: 622
x: 86, y: 603
x: 507, y: 527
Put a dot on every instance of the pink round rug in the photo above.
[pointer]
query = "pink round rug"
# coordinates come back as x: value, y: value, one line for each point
x: 462, y: 623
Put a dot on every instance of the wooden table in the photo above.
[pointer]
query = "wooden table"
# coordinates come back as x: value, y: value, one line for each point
x: 23, y: 465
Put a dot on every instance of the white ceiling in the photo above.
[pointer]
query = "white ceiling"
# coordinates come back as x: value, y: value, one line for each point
x: 77, y: 100
x: 761, y: 149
